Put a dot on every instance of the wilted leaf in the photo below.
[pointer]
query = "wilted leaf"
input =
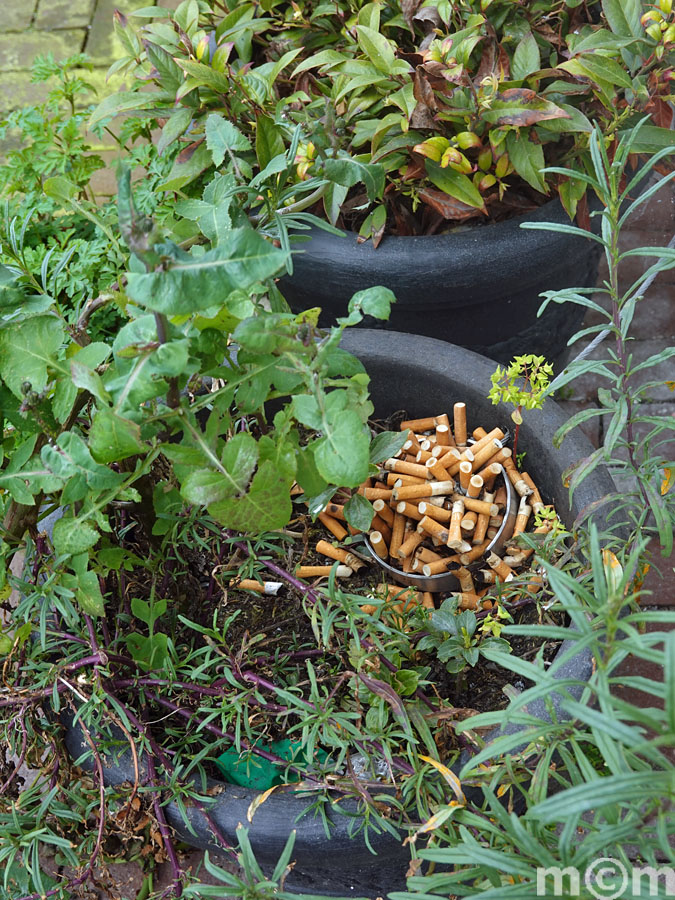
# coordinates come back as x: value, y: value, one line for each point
x: 521, y: 106
x: 447, y: 206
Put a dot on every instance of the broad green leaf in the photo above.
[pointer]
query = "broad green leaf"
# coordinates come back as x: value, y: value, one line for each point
x: 348, y: 172
x: 60, y: 189
x: 205, y: 487
x: 268, y: 140
x: 599, y: 69
x: 374, y: 301
x: 202, y: 74
x: 359, y: 512
x: 70, y: 457
x: 342, y: 454
x: 624, y: 16
x: 525, y: 58
x: 27, y: 350
x: 89, y: 380
x: 455, y: 184
x: 125, y: 101
x: 386, y: 444
x: 71, y: 536
x: 307, y: 474
x: 377, y: 48
x: 112, y: 437
x: 520, y: 106
x: 188, y: 165
x: 176, y: 125
x: 193, y: 283
x: 527, y: 158
x: 222, y: 136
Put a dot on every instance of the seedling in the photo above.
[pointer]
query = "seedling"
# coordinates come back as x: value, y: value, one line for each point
x: 523, y: 383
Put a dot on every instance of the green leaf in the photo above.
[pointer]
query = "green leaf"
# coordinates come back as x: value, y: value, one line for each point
x: 520, y: 106
x: 386, y: 444
x: 525, y: 58
x: 205, y: 75
x: 624, y: 17
x: 112, y: 437
x: 72, y: 536
x: 527, y: 158
x: 348, y: 172
x: 374, y: 301
x: 599, y: 69
x: 86, y: 378
x: 193, y: 283
x: 359, y: 512
x: 377, y: 48
x: 70, y: 457
x: 455, y: 184
x: 176, y: 125
x: 342, y: 455
x: 124, y: 101
x: 582, y: 797
x: 307, y: 474
x: 222, y: 136
x: 27, y: 350
x: 268, y: 140
x: 188, y: 165
x: 60, y: 189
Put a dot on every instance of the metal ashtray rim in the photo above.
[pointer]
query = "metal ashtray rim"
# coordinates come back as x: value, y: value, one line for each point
x: 446, y: 581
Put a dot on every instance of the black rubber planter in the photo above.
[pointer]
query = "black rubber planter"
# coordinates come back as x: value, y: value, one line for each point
x: 478, y: 288
x: 423, y: 376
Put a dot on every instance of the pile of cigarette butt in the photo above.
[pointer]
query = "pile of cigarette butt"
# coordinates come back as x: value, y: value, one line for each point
x: 436, y: 509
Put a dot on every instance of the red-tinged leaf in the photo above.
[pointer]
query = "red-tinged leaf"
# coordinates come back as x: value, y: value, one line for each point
x: 447, y: 206
x: 423, y: 91
x: 187, y: 154
x: 583, y: 216
x: 521, y: 106
x: 387, y: 693
x: 422, y: 118
x: 409, y: 8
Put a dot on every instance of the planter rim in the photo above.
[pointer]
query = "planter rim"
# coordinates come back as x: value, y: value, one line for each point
x: 269, y: 827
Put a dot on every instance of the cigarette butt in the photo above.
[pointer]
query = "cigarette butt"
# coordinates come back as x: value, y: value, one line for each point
x: 501, y: 456
x: 488, y: 576
x: 437, y: 469
x: 296, y: 490
x: 465, y: 471
x: 436, y: 568
x: 378, y: 544
x: 368, y: 609
x: 427, y: 444
x: 432, y: 527
x: 522, y: 487
x: 425, y: 555
x: 503, y: 571
x: 478, y: 433
x: 416, y: 425
x: 474, y: 553
x: 435, y: 512
x: 486, y: 439
x: 397, y: 531
x: 491, y: 533
x: 380, y: 525
x: 500, y: 496
x: 468, y: 523
x: 336, y: 510
x: 465, y: 580
x: 455, y: 539
x: 409, y: 544
x: 406, y: 564
x: 528, y: 551
x: 524, y: 510
x: 322, y: 571
x: 423, y: 455
x: 384, y: 511
x: 408, y: 510
x: 484, y: 455
x: 489, y: 474
x: 482, y: 524
x: 331, y: 524
x: 271, y: 588
x: 362, y: 487
x: 453, y: 465
x: 459, y: 422
x: 428, y: 600
x: 407, y: 468
x: 430, y: 489
x: 443, y: 435
x: 475, y: 487
x: 338, y: 553
x: 413, y: 440
x: 467, y: 600
x: 395, y: 479
x: 535, y: 584
x: 377, y: 493
x: 514, y: 559
x: 495, y: 521
x: 478, y: 506
x: 536, y: 501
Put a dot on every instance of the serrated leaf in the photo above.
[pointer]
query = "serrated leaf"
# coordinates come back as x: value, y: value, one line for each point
x: 112, y: 437
x: 342, y: 455
x: 71, y: 536
x: 348, y: 172
x: 222, y: 136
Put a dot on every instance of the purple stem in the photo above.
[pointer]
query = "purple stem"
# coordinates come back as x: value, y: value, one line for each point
x: 164, y: 830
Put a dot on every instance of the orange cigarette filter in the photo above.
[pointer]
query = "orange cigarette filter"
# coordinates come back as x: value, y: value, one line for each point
x: 459, y: 421
x: 439, y: 472
x: 528, y: 551
x: 432, y: 527
x: 413, y: 440
x: 250, y: 584
x: 443, y: 435
x: 479, y: 506
x: 486, y: 438
x: 465, y: 474
x: 378, y: 544
x: 428, y: 600
x: 430, y: 489
x: 467, y: 600
x: 336, y: 510
x: 426, y: 424
x: 426, y: 555
x: 331, y: 524
x: 436, y: 568
x: 500, y: 496
x: 406, y: 468
x: 322, y: 571
x: 482, y: 525
x: 465, y: 580
x: 397, y: 531
x: 366, y: 484
x: 468, y: 524
x: 408, y: 510
x: 380, y: 525
x: 338, y: 553
x: 537, y: 502
x: 377, y: 493
x: 409, y: 544
x: 484, y: 456
x: 406, y: 564
x: 516, y: 479
x: 489, y: 474
x: 501, y: 456
x: 384, y: 511
x: 478, y: 433
x: 475, y: 487
x: 423, y: 455
x: 474, y: 553
x: 488, y: 576
x: 524, y: 511
x: 492, y: 533
x: 395, y: 479
x: 455, y: 537
x: 498, y: 565
x: 435, y: 512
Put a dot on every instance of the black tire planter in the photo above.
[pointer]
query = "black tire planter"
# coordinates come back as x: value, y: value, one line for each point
x: 477, y: 288
x: 423, y: 376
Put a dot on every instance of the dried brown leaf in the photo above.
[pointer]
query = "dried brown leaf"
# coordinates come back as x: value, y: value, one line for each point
x: 447, y: 206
